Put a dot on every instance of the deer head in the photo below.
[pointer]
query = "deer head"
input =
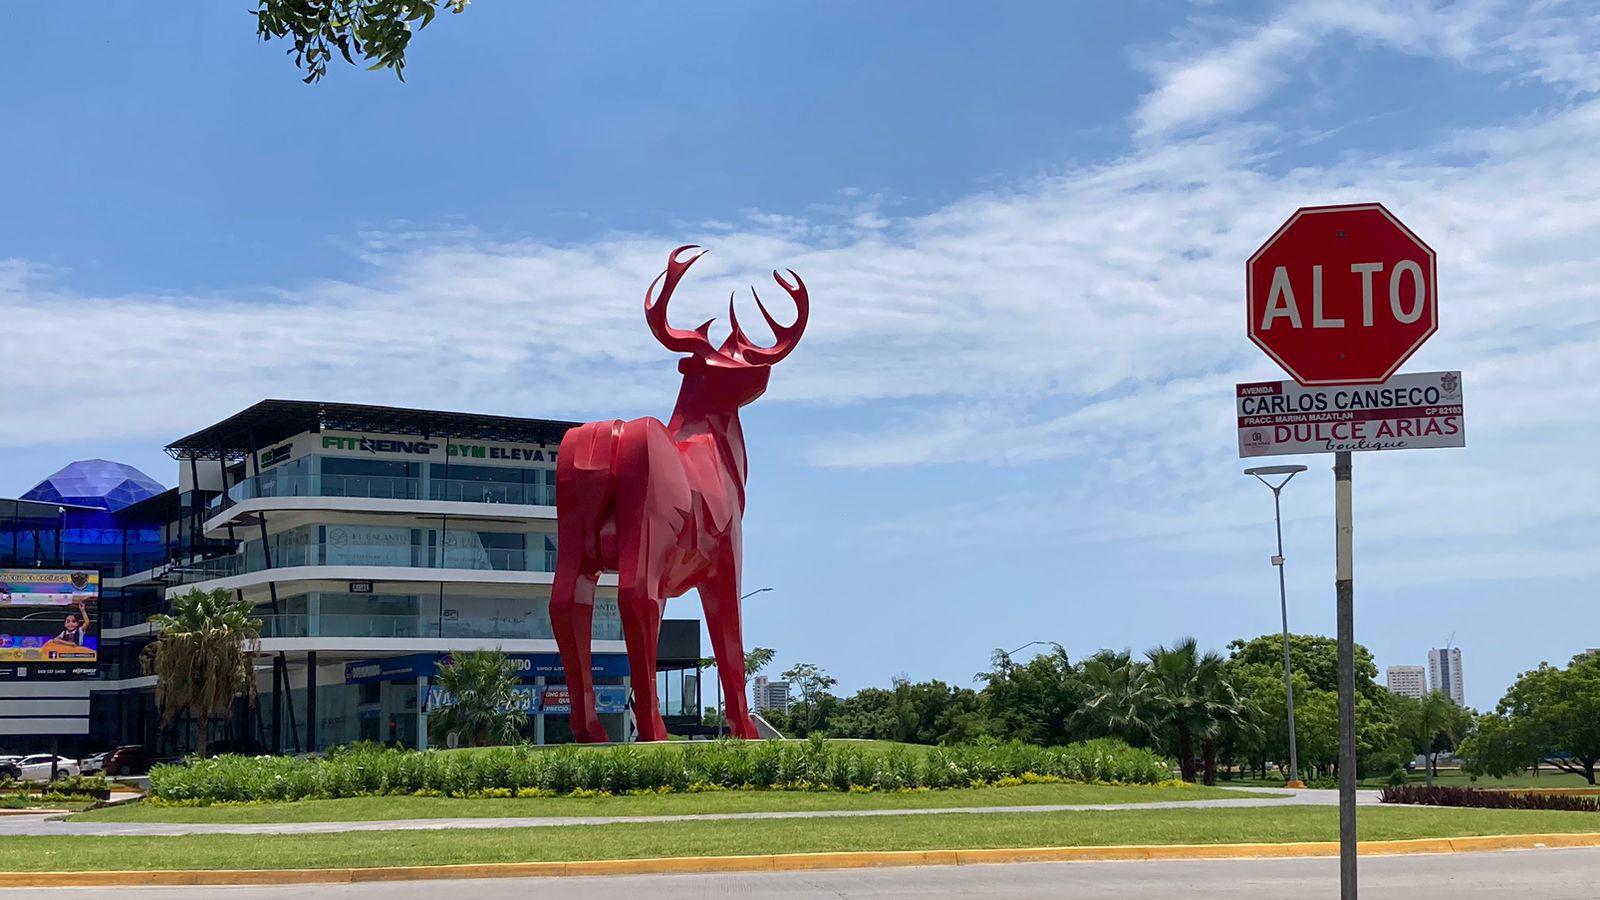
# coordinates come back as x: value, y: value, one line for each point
x: 735, y: 373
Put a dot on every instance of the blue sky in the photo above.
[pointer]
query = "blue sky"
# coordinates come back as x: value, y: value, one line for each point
x: 1023, y: 229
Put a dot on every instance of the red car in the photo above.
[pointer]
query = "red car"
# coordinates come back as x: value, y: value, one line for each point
x: 129, y: 760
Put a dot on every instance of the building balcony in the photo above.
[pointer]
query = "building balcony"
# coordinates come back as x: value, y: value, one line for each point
x: 379, y: 554
x: 377, y: 487
x: 533, y: 627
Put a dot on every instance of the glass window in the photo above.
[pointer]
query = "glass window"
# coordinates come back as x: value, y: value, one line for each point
x: 461, y: 472
x: 341, y: 465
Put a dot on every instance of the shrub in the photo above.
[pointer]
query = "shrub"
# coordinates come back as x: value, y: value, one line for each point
x: 372, y: 770
x: 1481, y: 799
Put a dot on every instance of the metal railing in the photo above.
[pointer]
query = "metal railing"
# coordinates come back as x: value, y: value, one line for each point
x: 381, y: 487
x: 360, y: 553
x: 421, y: 626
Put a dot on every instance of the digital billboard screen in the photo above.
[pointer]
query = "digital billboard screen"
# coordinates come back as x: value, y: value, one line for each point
x: 50, y: 616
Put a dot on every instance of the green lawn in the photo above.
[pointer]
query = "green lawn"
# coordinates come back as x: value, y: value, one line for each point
x: 733, y: 838
x: 366, y: 808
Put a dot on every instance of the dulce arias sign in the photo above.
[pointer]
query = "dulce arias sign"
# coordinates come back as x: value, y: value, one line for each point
x: 1407, y: 412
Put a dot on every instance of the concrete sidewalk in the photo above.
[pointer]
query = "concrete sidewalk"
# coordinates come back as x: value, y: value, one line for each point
x: 56, y: 825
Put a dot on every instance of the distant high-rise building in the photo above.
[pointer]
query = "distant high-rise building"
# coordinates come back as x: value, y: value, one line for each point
x: 766, y: 694
x: 1444, y: 673
x: 1407, y: 681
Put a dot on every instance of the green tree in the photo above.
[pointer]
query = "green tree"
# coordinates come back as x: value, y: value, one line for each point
x: 376, y: 30
x: 1314, y: 655
x: 1314, y: 659
x: 1114, y: 702
x: 756, y: 660
x: 201, y: 657
x: 1032, y: 701
x: 1552, y: 715
x: 485, y: 710
x: 1229, y: 717
x: 1190, y: 692
x: 1433, y: 725
x: 813, y: 685
x: 1497, y: 749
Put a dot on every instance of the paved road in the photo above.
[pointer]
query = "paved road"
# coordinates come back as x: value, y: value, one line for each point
x: 55, y: 825
x: 1547, y: 874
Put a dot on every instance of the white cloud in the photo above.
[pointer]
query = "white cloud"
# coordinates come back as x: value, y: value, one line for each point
x: 1092, y: 315
x: 1200, y: 83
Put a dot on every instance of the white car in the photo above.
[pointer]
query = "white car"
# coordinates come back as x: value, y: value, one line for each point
x: 37, y: 767
x: 93, y: 765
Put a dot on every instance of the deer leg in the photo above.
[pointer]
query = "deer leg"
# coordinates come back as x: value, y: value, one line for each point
x: 641, y: 625
x: 720, y: 597
x: 572, y: 621
x: 643, y: 540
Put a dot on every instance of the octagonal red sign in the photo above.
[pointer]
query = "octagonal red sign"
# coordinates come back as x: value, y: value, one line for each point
x: 1342, y: 294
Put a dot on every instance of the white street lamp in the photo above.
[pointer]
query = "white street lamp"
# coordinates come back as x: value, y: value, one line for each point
x: 1261, y: 474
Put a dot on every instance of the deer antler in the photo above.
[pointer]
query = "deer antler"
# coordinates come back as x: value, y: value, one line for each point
x: 786, y: 337
x: 698, y: 341
x: 737, y: 348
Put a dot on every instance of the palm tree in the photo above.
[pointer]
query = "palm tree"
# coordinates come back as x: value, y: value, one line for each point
x: 201, y: 657
x: 1114, y: 704
x: 1191, y: 691
x: 1433, y: 718
x: 1228, y: 712
x: 483, y: 687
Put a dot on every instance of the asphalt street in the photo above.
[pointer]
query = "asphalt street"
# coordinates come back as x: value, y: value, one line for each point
x: 1546, y: 874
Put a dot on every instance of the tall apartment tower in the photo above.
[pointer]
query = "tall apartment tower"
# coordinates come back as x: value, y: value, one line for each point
x: 1444, y: 673
x: 1407, y: 681
x: 765, y: 694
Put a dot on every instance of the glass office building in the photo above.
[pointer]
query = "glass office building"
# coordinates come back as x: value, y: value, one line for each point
x: 372, y: 542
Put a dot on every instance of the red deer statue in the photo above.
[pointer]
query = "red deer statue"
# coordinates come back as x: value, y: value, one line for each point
x: 661, y: 506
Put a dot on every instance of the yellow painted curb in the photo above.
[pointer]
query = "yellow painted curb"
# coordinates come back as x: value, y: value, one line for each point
x: 791, y: 862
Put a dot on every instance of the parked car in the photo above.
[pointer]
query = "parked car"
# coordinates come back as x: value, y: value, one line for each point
x: 245, y: 747
x: 9, y: 768
x: 94, y: 765
x: 39, y: 766
x: 131, y: 759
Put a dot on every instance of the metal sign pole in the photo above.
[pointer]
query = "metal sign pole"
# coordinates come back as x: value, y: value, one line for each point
x: 1344, y: 587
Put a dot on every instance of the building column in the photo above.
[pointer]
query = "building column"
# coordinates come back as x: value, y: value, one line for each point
x: 538, y: 717
x: 280, y: 687
x: 311, y: 701
x: 628, y: 717
x: 422, y: 716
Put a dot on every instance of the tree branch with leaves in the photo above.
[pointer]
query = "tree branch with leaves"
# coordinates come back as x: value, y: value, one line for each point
x: 378, y: 31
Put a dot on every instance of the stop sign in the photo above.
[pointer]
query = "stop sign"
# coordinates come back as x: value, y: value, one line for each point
x: 1342, y: 294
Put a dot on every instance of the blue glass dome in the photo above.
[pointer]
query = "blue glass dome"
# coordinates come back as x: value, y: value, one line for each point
x: 96, y: 482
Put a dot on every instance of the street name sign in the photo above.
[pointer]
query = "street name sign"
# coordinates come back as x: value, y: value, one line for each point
x: 1341, y: 294
x: 1408, y: 412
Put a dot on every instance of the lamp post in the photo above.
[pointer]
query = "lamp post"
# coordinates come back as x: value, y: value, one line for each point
x: 1030, y: 644
x: 722, y: 720
x: 1261, y: 474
